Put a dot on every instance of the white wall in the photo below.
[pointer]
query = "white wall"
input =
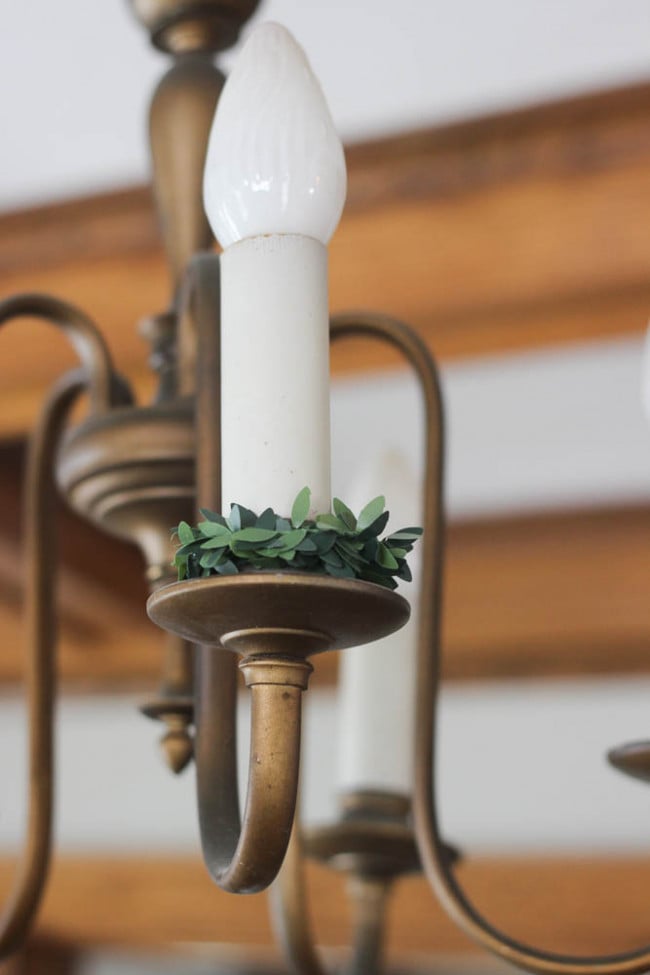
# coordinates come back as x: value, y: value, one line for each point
x: 76, y: 76
x: 522, y: 769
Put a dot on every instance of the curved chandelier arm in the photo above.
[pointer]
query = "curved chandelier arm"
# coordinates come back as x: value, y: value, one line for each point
x: 291, y: 922
x: 96, y: 376
x: 290, y: 912
x: 105, y: 389
x: 435, y: 862
x: 40, y: 616
x: 242, y: 855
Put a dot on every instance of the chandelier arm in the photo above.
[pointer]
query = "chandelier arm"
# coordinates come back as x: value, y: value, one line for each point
x: 289, y: 895
x: 370, y: 897
x: 104, y: 387
x: 242, y: 856
x: 289, y: 910
x: 41, y: 637
x: 435, y: 861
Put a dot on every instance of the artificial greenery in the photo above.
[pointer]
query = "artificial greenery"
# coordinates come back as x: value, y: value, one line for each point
x: 337, y: 544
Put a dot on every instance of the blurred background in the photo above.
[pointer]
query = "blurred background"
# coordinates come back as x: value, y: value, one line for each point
x: 499, y: 200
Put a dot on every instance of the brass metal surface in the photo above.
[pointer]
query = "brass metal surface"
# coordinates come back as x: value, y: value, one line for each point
x: 174, y: 703
x: 182, y: 26
x: 131, y: 472
x: 181, y: 114
x: 435, y: 862
x: 633, y: 759
x: 96, y: 375
x: 373, y: 841
x: 278, y: 613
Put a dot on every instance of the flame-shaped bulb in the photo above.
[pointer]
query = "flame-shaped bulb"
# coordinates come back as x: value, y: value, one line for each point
x: 275, y: 163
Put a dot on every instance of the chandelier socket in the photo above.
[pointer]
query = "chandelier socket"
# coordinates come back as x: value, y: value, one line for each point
x: 190, y: 26
x: 295, y: 614
x: 276, y: 670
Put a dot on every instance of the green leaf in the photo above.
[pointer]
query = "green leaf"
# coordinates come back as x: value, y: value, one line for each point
x: 340, y: 572
x: 213, y: 516
x: 330, y: 523
x: 290, y: 540
x: 386, y: 558
x: 227, y: 568
x: 307, y: 545
x: 185, y: 533
x: 220, y: 541
x: 375, y: 528
x: 406, y: 534
x: 404, y: 572
x: 344, y: 514
x: 324, y: 541
x: 331, y: 558
x: 234, y: 518
x: 371, y: 512
x: 210, y: 529
x: 399, y: 553
x: 253, y: 535
x: 266, y: 519
x: 211, y: 559
x: 300, y: 508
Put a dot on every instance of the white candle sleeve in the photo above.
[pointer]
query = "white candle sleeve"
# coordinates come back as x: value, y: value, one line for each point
x: 275, y: 373
x: 377, y: 682
x: 376, y: 723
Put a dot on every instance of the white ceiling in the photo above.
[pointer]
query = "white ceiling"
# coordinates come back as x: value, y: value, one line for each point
x: 76, y: 76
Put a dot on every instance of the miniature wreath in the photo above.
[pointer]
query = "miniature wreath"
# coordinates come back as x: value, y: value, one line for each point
x: 337, y: 544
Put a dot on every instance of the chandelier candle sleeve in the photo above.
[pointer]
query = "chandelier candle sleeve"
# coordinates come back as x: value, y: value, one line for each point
x: 274, y: 190
x: 377, y: 681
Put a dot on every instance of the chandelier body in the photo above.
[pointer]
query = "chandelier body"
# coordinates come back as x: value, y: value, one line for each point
x: 135, y: 470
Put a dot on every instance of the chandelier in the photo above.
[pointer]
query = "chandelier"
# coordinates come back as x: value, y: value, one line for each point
x: 224, y: 432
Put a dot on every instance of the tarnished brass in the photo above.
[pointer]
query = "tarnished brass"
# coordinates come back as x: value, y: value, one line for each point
x: 96, y: 376
x: 183, y: 26
x: 433, y: 852
x: 632, y: 759
x: 182, y: 109
x: 174, y: 703
x: 288, y: 614
x: 293, y: 616
x: 131, y: 472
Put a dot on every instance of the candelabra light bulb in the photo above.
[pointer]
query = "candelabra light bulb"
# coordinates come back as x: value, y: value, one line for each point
x: 275, y: 162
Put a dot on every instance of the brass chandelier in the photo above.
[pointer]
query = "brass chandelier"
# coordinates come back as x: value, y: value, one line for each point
x: 136, y: 470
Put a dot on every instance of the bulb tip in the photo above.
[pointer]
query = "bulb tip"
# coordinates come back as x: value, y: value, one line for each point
x: 275, y: 163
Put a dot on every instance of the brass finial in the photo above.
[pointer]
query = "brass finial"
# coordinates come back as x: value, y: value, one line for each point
x: 176, y: 744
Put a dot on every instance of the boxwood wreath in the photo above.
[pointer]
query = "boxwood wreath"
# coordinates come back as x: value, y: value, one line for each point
x: 337, y: 544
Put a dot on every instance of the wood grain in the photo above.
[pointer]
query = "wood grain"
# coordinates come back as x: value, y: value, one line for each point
x: 572, y: 905
x: 555, y: 594
x: 516, y: 231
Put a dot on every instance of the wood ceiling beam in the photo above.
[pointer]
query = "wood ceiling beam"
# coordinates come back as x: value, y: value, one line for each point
x: 517, y: 231
x: 571, y: 905
x: 555, y: 594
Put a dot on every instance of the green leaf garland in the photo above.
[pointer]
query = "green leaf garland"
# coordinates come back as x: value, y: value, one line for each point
x: 339, y: 544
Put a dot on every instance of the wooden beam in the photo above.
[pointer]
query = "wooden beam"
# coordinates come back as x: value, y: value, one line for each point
x: 555, y: 594
x: 517, y: 231
x: 571, y: 905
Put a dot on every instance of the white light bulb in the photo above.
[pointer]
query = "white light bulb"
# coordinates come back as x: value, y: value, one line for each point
x: 275, y: 163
